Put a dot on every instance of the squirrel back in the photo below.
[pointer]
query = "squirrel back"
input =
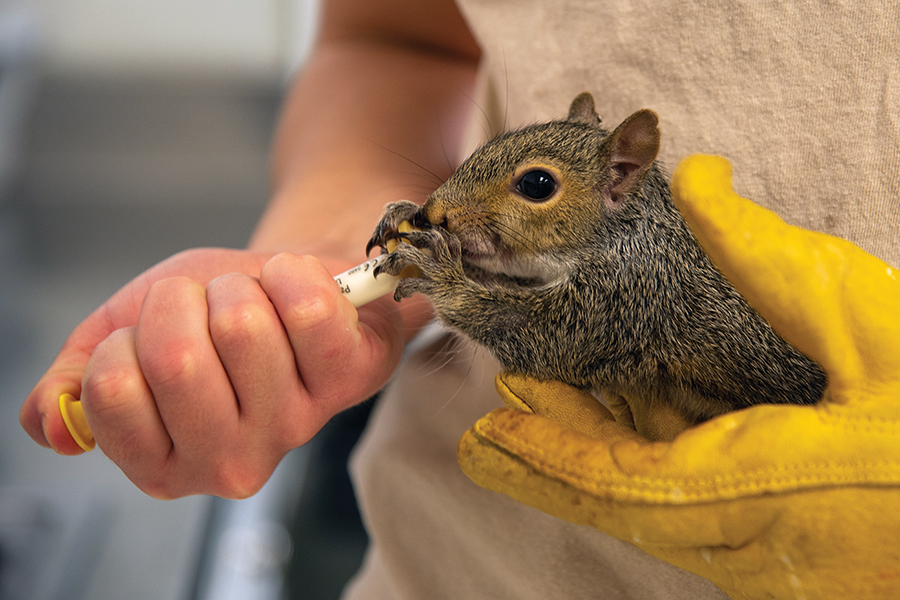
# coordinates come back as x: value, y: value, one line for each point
x: 569, y: 260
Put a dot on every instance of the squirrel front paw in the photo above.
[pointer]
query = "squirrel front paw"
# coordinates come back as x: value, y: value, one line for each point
x: 437, y: 255
x: 394, y: 214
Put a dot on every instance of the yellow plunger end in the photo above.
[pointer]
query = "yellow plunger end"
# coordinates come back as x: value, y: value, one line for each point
x: 73, y: 415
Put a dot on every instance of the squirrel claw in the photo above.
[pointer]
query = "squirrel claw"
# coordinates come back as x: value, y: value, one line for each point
x: 408, y: 287
x: 394, y: 214
x: 399, y: 259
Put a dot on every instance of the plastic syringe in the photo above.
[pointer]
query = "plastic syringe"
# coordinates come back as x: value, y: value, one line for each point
x: 359, y: 285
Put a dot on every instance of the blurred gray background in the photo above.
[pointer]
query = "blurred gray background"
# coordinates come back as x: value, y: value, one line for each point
x: 129, y: 131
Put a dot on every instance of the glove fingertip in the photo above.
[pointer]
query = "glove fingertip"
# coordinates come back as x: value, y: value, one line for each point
x: 701, y: 179
x: 504, y: 383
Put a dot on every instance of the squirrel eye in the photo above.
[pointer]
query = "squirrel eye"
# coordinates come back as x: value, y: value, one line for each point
x: 536, y: 185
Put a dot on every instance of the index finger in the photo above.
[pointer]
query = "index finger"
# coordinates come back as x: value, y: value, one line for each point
x: 40, y: 416
x: 826, y: 296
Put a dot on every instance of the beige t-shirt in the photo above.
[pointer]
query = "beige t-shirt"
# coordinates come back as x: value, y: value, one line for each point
x: 803, y: 98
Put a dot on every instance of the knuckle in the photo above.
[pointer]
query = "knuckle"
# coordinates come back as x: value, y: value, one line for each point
x: 316, y: 309
x: 162, y: 488
x: 236, y: 479
x: 305, y: 261
x: 287, y: 264
x: 110, y: 388
x: 179, y: 360
x: 236, y: 325
x: 227, y: 476
x: 177, y: 286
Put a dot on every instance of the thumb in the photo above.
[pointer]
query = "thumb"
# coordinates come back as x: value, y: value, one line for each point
x: 575, y: 408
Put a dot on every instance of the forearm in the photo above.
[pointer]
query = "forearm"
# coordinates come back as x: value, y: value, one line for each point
x: 368, y: 122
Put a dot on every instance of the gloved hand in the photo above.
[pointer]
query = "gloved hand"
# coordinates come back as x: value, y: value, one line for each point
x: 768, y: 502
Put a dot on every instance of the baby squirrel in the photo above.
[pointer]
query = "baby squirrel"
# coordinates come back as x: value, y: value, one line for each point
x: 558, y: 248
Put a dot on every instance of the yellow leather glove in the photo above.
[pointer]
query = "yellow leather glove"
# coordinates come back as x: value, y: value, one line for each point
x: 768, y: 502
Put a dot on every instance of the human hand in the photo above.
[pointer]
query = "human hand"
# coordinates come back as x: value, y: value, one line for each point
x: 199, y: 375
x: 768, y: 502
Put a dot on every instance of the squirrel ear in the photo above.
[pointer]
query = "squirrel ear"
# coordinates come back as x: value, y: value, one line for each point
x: 634, y: 146
x: 582, y: 110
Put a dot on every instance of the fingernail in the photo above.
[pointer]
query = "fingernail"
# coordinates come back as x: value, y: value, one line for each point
x: 73, y: 416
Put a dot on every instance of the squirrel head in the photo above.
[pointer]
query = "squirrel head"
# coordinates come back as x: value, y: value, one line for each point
x: 522, y: 203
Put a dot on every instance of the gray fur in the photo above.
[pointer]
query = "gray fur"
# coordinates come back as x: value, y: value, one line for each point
x: 602, y: 286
